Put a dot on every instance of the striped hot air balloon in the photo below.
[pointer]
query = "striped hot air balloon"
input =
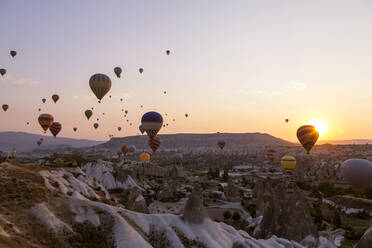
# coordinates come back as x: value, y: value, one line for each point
x: 307, y: 135
x: 152, y: 123
x: 271, y: 154
x: 55, y: 128
x: 288, y: 163
x: 100, y: 85
x: 144, y: 157
x: 154, y: 143
x: 45, y: 121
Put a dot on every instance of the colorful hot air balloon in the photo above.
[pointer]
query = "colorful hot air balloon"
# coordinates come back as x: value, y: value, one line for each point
x: 38, y: 142
x: 358, y: 173
x: 55, y: 98
x: 2, y: 71
x: 154, y: 143
x: 288, y: 163
x: 141, y: 129
x: 55, y: 128
x: 45, y: 121
x: 117, y: 71
x: 221, y: 144
x: 5, y: 107
x: 167, y: 52
x: 178, y: 156
x: 131, y: 149
x: 75, y: 129
x: 43, y: 100
x: 95, y: 125
x: 271, y: 154
x: 13, y: 53
x: 144, y: 157
x: 124, y: 149
x: 307, y: 135
x: 140, y: 70
x: 151, y: 123
x: 100, y: 85
x: 286, y: 120
x: 119, y: 129
x: 88, y: 113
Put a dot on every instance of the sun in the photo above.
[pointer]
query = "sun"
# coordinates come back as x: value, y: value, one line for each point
x: 320, y: 126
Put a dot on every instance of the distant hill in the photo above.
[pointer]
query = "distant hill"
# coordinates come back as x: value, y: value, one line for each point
x: 346, y: 142
x: 197, y: 141
x: 27, y: 141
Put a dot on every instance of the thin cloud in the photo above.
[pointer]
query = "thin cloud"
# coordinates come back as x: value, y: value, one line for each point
x: 9, y: 79
x: 289, y: 87
x: 126, y: 95
x: 83, y: 96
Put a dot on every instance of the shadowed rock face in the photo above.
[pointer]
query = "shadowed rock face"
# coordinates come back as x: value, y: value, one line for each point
x: 136, y: 202
x: 194, y: 210
x: 284, y: 214
x: 366, y: 240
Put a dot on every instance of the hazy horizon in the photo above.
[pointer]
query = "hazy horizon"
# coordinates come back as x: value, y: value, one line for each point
x: 239, y: 67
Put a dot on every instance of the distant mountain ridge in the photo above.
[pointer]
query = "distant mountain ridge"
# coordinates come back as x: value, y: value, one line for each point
x: 27, y: 141
x: 346, y: 142
x: 197, y: 141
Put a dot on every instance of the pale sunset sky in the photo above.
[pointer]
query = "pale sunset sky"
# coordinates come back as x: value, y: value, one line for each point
x: 235, y: 66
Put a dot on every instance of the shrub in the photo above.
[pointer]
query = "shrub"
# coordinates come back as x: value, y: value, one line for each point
x: 236, y: 216
x: 227, y: 214
x: 158, y: 238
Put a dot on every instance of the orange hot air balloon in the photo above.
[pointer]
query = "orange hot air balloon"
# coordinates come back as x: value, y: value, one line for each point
x: 55, y: 128
x: 144, y: 157
x: 154, y: 143
x: 124, y: 149
x: 307, y: 135
x: 45, y: 121
x: 55, y: 98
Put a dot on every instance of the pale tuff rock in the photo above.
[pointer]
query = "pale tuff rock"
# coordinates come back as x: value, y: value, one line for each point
x: 194, y: 210
x: 285, y: 215
x: 177, y: 172
x: 136, y: 202
x: 167, y: 191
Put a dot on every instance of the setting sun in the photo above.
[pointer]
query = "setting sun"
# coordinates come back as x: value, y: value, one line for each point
x: 320, y: 126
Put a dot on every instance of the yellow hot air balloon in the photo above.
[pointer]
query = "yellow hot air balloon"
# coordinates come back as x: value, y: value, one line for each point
x: 45, y: 121
x: 144, y: 157
x: 288, y: 163
x: 100, y: 85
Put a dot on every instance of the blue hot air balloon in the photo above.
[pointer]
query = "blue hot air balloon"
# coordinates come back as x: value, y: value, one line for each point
x: 151, y: 123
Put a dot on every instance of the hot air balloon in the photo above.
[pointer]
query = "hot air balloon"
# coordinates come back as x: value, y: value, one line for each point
x: 45, y: 121
x: 39, y: 109
x: 121, y: 99
x: 100, y: 85
x: 151, y: 123
x: 186, y: 115
x: 38, y: 142
x: 165, y: 92
x: 119, y: 129
x: 13, y: 53
x: 131, y: 149
x: 95, y: 125
x: 97, y: 119
x: 167, y: 52
x: 154, y: 143
x: 117, y: 71
x: 307, y: 135
x: 271, y: 154
x: 55, y: 128
x: 28, y: 123
x: 221, y: 144
x: 126, y: 111
x: 140, y: 70
x: 124, y: 149
x: 2, y: 71
x: 75, y: 129
x: 43, y: 100
x: 5, y: 107
x: 88, y: 113
x: 286, y: 120
x: 55, y: 98
x: 144, y: 157
x: 288, y: 163
x: 141, y: 106
x: 358, y: 173
x: 110, y: 96
x: 141, y: 129
x: 93, y: 149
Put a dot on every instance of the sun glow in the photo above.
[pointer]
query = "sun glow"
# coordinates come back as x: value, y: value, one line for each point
x: 320, y: 126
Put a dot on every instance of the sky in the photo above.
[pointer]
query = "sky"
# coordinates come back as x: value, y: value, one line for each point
x: 235, y: 66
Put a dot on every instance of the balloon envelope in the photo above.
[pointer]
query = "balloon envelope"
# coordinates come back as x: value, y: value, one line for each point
x: 5, y: 107
x: 154, y: 143
x: 95, y: 125
x: 2, y: 71
x: 152, y: 123
x: 221, y: 144
x: 288, y: 163
x: 117, y: 71
x: 13, y: 53
x: 357, y: 172
x: 271, y: 154
x: 88, y: 113
x: 144, y: 157
x: 307, y: 135
x: 124, y: 149
x: 100, y: 85
x: 45, y: 121
x: 55, y: 98
x: 55, y: 128
x: 132, y: 148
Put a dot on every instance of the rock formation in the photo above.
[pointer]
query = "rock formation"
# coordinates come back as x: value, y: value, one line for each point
x: 194, y: 211
x: 136, y: 202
